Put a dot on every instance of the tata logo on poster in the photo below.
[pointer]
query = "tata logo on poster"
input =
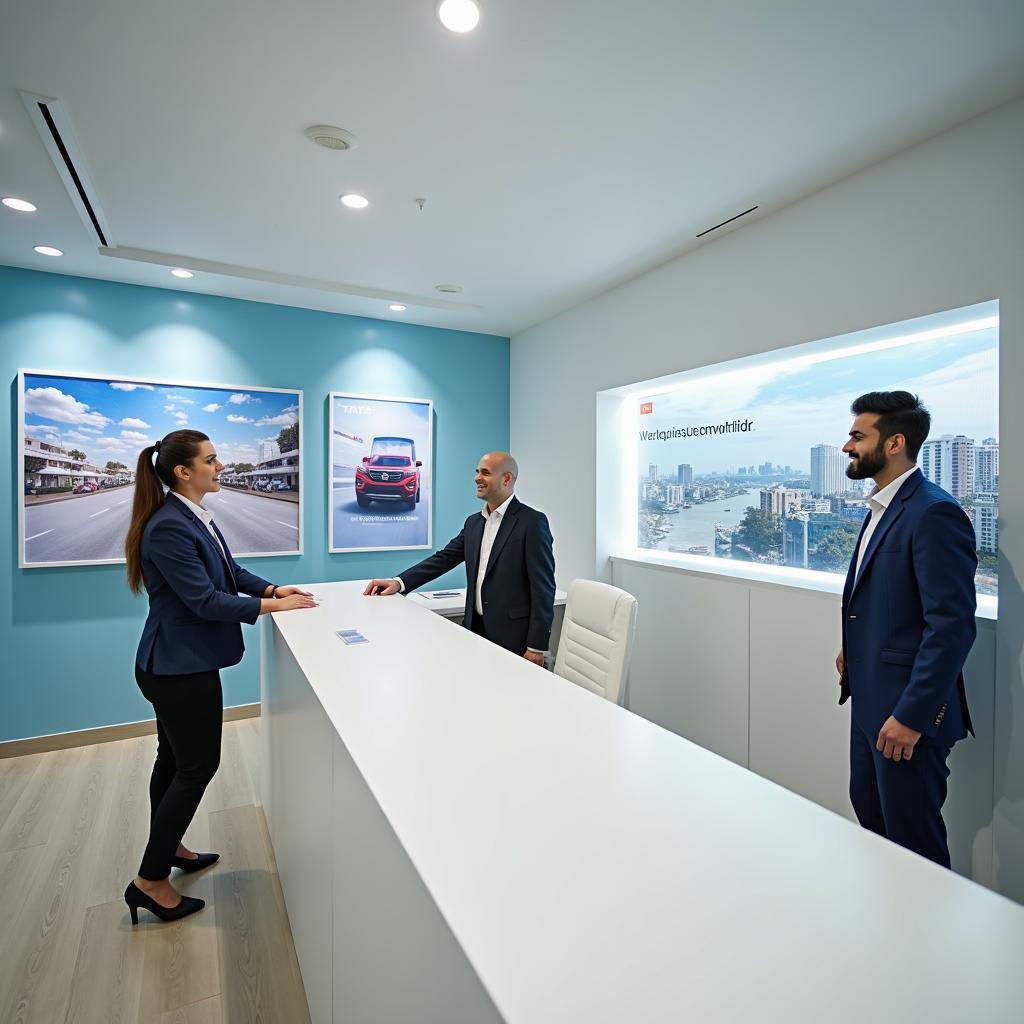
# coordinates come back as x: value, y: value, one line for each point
x: 646, y: 408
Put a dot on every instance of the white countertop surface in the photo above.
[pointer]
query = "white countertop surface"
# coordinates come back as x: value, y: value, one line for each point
x: 595, y: 867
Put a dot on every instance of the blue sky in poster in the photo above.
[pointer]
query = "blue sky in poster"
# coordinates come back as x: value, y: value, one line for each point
x: 112, y: 420
x: 795, y: 404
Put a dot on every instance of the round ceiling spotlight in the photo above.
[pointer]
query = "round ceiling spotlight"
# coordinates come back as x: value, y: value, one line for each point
x: 182, y: 273
x: 21, y: 205
x: 449, y: 289
x: 48, y: 250
x: 329, y: 137
x: 459, y: 15
x: 396, y: 307
x: 354, y: 201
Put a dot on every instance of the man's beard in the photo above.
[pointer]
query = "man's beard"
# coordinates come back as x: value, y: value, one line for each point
x: 869, y: 465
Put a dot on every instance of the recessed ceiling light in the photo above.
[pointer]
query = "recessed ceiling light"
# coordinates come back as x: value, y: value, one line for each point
x: 21, y: 205
x: 449, y: 289
x: 354, y: 201
x: 459, y: 15
x: 181, y: 272
x: 396, y: 307
x: 47, y: 250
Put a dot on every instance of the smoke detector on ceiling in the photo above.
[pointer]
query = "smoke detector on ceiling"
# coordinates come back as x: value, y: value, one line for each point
x: 329, y: 137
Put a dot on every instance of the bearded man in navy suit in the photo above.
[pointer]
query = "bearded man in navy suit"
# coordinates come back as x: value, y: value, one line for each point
x: 510, y: 566
x: 908, y: 626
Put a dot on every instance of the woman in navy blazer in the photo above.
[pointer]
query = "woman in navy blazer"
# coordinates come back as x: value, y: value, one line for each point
x: 198, y: 598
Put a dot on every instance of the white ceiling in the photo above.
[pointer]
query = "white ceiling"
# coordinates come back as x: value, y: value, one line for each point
x: 563, y: 147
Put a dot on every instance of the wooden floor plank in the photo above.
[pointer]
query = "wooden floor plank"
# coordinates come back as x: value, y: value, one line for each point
x: 249, y: 737
x: 257, y: 952
x: 209, y: 1011
x: 30, y: 820
x: 125, y: 824
x: 35, y: 971
x: 15, y: 775
x: 68, y: 951
x: 232, y: 786
x: 107, y: 979
x: 17, y: 874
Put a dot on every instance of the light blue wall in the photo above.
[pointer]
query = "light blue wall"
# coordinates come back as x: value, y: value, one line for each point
x: 68, y: 636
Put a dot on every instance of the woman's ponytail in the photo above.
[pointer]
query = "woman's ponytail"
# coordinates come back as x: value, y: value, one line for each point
x: 179, y: 447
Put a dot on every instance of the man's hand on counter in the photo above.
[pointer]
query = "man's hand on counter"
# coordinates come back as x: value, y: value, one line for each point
x: 381, y: 588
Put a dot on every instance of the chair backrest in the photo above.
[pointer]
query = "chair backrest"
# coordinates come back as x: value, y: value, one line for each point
x: 596, y: 641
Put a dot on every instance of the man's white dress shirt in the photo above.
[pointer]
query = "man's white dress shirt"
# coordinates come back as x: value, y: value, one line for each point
x: 879, y: 501
x: 492, y: 523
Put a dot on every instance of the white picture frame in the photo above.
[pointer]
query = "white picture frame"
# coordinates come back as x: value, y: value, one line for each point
x: 386, y: 514
x: 138, y: 411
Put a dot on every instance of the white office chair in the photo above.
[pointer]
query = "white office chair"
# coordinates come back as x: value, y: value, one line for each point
x: 596, y: 642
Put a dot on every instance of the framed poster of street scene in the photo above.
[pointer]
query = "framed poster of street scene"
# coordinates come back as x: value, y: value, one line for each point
x: 379, y: 473
x: 80, y: 439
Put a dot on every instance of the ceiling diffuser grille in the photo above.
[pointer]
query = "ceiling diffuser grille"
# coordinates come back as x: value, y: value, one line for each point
x: 707, y: 231
x: 54, y: 126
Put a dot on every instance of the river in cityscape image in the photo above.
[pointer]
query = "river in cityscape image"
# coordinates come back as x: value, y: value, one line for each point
x: 694, y: 527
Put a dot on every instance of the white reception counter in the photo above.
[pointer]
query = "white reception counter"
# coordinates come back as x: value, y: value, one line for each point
x: 464, y: 837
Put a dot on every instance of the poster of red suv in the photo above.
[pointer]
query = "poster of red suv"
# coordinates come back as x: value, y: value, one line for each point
x: 379, y: 473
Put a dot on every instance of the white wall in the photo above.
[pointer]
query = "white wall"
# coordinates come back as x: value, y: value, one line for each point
x: 718, y: 660
x: 936, y: 227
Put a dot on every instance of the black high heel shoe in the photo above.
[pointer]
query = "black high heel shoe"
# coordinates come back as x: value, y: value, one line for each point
x: 136, y: 898
x: 203, y: 860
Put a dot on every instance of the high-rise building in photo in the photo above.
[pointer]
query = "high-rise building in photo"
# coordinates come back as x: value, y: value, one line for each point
x: 986, y: 524
x: 269, y: 450
x: 684, y: 474
x: 950, y: 462
x: 652, y: 472
x: 779, y: 500
x: 828, y: 471
x: 986, y: 474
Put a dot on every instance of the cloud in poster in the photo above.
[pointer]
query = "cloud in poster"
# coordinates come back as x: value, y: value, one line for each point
x: 134, y: 435
x: 120, y: 385
x: 132, y: 421
x: 115, y: 444
x: 238, y: 419
x: 44, y: 430
x: 212, y: 407
x: 181, y: 417
x: 52, y: 404
x: 240, y: 398
x: 285, y: 418
x: 230, y: 454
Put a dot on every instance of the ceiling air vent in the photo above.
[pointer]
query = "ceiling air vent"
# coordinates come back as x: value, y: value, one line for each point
x: 54, y: 126
x: 707, y: 231
x: 329, y: 137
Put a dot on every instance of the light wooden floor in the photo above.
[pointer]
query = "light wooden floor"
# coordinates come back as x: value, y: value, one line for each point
x: 73, y: 826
